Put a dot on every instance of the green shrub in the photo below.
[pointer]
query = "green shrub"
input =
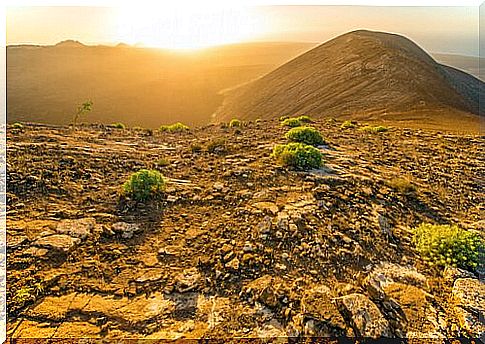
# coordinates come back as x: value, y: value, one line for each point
x: 174, y: 128
x: 144, y: 184
x: 305, y: 119
x: 444, y: 245
x: 371, y: 129
x: 235, y: 123
x: 162, y: 162
x: 348, y: 124
x: 118, y: 125
x: 17, y: 125
x: 307, y: 135
x: 298, y: 155
x: 217, y: 146
x: 282, y: 118
x: 402, y: 185
x: 195, y: 147
x: 291, y: 122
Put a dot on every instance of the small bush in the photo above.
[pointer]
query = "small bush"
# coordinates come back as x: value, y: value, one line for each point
x: 195, y: 147
x: 402, y: 185
x: 17, y: 125
x: 371, y: 129
x: 144, y: 184
x: 348, y: 124
x: 174, y: 128
x: 305, y: 119
x: 235, y: 123
x: 217, y: 146
x: 162, y: 162
x: 298, y: 155
x: 118, y: 125
x: 282, y: 118
x: 291, y: 122
x: 445, y: 245
x: 307, y: 135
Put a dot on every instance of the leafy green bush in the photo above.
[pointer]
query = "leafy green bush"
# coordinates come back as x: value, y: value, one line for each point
x: 348, y: 124
x: 235, y: 123
x: 291, y: 122
x: 118, y: 125
x: 371, y: 129
x: 298, y: 155
x: 444, y: 245
x: 17, y: 125
x: 307, y: 135
x: 305, y: 119
x: 144, y: 184
x: 174, y: 128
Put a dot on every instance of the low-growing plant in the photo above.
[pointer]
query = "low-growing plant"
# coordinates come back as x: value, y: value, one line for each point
x: 217, y: 146
x: 348, y: 124
x: 144, y: 184
x: 162, y: 162
x: 174, y: 128
x: 291, y: 122
x: 402, y: 185
x: 371, y: 129
x: 307, y: 135
x: 445, y: 245
x: 235, y: 123
x: 17, y: 125
x: 298, y: 155
x: 118, y: 125
x: 282, y: 118
x: 195, y: 147
x: 305, y: 119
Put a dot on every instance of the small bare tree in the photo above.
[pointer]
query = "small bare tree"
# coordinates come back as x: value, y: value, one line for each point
x: 81, y: 110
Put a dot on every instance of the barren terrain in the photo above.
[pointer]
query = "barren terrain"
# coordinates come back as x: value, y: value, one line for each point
x: 238, y: 246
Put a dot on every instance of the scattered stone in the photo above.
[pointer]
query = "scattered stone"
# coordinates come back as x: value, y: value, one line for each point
x: 150, y: 275
x: 451, y: 274
x: 266, y: 207
x: 264, y: 227
x: 233, y: 264
x: 188, y: 280
x: 58, y: 242
x: 15, y: 241
x: 80, y: 228
x: 35, y: 252
x: 365, y: 317
x: 127, y: 230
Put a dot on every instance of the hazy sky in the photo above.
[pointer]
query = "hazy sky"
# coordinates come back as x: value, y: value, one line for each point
x: 437, y: 29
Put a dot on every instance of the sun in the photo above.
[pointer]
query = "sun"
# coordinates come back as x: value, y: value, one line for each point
x: 175, y: 27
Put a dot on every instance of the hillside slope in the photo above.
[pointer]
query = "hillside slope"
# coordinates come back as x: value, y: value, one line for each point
x: 136, y: 86
x: 360, y: 74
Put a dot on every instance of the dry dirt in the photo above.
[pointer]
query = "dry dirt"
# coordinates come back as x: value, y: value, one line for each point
x: 238, y: 247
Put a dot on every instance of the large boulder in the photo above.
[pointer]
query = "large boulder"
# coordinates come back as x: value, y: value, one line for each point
x: 80, y: 228
x: 61, y: 243
x: 366, y: 319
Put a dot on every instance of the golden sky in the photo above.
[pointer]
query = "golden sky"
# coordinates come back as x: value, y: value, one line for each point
x: 437, y: 29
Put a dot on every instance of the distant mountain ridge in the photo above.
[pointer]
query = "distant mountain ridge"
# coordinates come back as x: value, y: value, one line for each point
x: 361, y: 74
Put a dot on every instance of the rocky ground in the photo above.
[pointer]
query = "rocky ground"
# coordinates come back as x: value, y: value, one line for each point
x: 238, y: 247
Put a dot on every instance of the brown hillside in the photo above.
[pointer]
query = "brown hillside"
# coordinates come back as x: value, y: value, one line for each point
x: 361, y: 74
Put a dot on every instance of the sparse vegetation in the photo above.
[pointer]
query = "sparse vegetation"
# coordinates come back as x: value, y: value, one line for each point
x: 144, y: 184
x: 162, y: 162
x: 371, y: 129
x: 195, y: 147
x: 217, y: 146
x: 17, y: 125
x: 235, y: 123
x: 282, y: 118
x: 174, y: 128
x: 305, y: 119
x: 307, y: 135
x: 348, y: 124
x: 445, y: 245
x: 298, y: 155
x: 402, y: 185
x: 82, y: 109
x: 118, y: 125
x: 291, y: 122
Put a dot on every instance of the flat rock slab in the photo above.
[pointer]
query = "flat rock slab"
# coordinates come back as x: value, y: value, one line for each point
x: 469, y: 298
x: 80, y: 228
x: 129, y: 311
x: 59, y: 242
x: 366, y: 318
